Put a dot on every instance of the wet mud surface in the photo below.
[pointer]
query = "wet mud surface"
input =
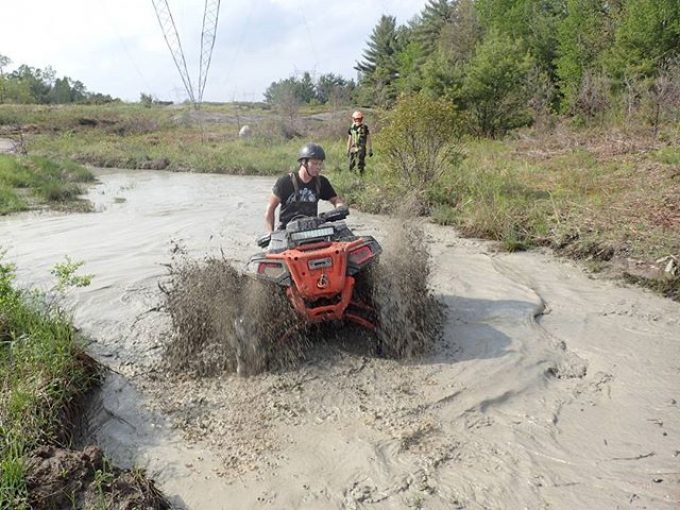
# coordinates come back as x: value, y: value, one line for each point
x: 547, y: 388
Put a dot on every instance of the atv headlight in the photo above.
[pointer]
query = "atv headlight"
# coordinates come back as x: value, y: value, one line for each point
x: 311, y: 234
x: 360, y: 255
x: 270, y: 269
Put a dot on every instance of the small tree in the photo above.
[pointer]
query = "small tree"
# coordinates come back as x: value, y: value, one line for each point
x: 420, y: 140
x: 495, y: 85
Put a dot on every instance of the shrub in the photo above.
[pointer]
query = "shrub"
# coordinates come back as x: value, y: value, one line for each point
x: 420, y: 140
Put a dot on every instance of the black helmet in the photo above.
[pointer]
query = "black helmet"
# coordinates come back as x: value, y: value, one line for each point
x: 311, y: 151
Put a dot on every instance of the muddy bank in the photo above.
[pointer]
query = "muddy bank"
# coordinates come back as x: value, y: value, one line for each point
x: 59, y: 478
x: 548, y: 388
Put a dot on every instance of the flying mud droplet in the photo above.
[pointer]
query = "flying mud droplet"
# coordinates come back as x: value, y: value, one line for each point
x: 410, y: 317
x: 202, y: 299
x: 208, y: 301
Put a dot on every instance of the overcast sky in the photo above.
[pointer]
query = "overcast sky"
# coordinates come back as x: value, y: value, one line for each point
x: 116, y: 47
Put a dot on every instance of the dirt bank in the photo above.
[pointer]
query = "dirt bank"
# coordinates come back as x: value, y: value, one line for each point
x: 548, y: 388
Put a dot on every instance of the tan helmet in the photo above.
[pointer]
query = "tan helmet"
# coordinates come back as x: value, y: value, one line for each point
x: 357, y: 115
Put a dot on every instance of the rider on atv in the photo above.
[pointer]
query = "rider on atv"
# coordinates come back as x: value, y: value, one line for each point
x: 299, y: 192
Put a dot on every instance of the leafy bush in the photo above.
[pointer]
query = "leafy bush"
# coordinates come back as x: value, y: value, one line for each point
x: 420, y: 140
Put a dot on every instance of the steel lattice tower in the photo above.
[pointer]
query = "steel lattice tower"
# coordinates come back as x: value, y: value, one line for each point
x: 210, y: 15
x: 167, y: 23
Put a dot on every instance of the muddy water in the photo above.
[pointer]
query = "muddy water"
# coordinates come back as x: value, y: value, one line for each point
x: 549, y: 389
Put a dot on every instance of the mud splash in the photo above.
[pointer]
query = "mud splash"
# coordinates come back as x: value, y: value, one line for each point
x: 224, y: 321
x: 410, y: 317
x: 207, y: 301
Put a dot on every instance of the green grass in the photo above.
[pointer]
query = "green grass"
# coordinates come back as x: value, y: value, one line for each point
x: 668, y: 156
x: 34, y: 180
x: 42, y: 373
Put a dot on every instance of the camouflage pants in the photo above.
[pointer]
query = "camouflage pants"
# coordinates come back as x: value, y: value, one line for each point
x: 357, y: 158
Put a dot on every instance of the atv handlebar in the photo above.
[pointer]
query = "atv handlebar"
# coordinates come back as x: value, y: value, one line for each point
x: 263, y: 240
x: 337, y: 214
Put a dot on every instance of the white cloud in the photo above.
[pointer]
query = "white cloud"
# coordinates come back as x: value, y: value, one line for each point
x: 116, y: 46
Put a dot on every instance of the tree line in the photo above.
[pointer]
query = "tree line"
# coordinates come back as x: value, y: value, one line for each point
x: 327, y: 89
x: 507, y: 63
x: 30, y: 85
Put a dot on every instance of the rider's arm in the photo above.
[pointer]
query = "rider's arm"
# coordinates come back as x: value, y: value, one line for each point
x: 349, y: 142
x: 272, y: 204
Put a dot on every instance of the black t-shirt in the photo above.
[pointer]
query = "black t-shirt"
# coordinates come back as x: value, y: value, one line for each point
x: 307, y: 200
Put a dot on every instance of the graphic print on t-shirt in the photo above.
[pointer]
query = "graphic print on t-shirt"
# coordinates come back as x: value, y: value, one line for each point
x: 304, y: 195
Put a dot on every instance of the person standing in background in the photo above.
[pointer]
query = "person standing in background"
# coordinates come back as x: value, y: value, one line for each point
x: 358, y: 143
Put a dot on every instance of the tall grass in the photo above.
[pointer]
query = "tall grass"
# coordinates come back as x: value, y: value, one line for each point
x: 34, y: 180
x: 42, y: 374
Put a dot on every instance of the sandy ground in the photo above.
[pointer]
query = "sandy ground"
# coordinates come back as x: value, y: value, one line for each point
x: 550, y: 389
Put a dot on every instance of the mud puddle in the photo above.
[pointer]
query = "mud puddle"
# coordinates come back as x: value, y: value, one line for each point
x: 548, y: 388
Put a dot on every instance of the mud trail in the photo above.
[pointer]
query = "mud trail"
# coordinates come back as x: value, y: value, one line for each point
x: 547, y: 388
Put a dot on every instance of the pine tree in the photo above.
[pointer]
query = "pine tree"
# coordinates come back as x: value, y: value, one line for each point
x: 379, y: 68
x: 647, y: 39
x: 533, y: 21
x: 583, y: 36
x: 427, y: 29
x: 495, y: 84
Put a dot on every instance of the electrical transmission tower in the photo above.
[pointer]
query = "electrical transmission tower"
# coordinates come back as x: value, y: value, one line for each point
x: 210, y: 15
x: 167, y: 23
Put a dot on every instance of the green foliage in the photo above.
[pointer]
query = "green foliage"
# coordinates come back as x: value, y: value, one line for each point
x: 29, y: 85
x: 533, y: 21
x: 419, y: 140
x: 647, y: 38
x: 408, y: 60
x: 49, y: 181
x: 380, y: 67
x: 10, y: 202
x: 495, y: 86
x: 41, y: 374
x: 65, y: 272
x: 461, y: 34
x: 328, y: 88
x: 444, y: 71
x: 426, y: 31
x: 583, y: 35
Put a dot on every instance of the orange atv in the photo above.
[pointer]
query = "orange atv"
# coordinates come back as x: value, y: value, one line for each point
x: 319, y: 264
